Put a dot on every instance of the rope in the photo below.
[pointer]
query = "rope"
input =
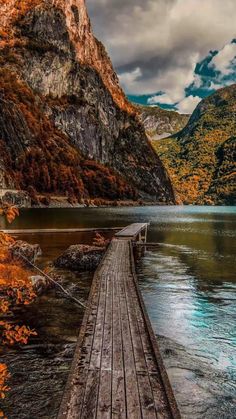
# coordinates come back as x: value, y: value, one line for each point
x: 75, y: 300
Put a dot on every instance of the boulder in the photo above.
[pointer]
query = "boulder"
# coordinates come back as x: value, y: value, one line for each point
x: 81, y: 258
x: 27, y: 250
x: 41, y: 284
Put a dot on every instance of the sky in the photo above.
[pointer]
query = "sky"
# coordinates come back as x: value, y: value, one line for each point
x: 170, y: 53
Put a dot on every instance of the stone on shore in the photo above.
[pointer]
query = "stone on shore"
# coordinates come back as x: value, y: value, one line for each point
x: 81, y: 258
x: 41, y: 284
x: 27, y: 250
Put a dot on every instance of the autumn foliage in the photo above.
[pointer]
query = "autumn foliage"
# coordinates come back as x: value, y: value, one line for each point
x: 4, y: 376
x: 201, y: 158
x: 42, y: 158
x: 100, y: 241
x: 15, y: 289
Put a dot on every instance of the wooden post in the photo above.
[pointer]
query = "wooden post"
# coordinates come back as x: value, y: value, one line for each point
x: 145, y: 238
x: 139, y: 240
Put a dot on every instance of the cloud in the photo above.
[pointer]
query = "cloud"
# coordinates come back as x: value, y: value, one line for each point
x: 129, y: 79
x: 188, y: 104
x: 162, y: 98
x: 156, y: 44
x: 216, y: 70
x: 172, y: 81
x: 225, y: 60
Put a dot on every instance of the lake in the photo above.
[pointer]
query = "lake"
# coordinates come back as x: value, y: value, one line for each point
x: 188, y: 282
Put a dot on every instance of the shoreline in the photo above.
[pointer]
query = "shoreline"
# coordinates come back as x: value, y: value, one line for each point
x: 22, y: 200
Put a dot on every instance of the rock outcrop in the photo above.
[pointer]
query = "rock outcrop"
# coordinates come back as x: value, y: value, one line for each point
x: 25, y: 251
x: 41, y: 284
x: 65, y: 106
x: 81, y: 258
x: 160, y: 123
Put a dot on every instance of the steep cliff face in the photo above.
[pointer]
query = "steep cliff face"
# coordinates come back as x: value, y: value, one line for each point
x: 38, y: 157
x: 160, y: 123
x: 88, y: 49
x: 201, y: 159
x: 49, y: 48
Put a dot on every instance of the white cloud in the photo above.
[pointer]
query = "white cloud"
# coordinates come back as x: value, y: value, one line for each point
x: 155, y: 44
x: 129, y: 79
x: 161, y: 99
x: 137, y: 30
x: 188, y: 104
x: 171, y: 82
x: 224, y: 59
x: 197, y: 81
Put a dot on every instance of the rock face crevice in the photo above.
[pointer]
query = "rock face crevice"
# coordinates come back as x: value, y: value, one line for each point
x: 72, y: 80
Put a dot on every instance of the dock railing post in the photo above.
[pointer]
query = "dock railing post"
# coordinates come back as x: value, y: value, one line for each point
x: 143, y: 240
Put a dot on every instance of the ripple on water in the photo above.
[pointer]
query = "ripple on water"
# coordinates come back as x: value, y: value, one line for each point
x: 188, y: 285
x: 195, y: 316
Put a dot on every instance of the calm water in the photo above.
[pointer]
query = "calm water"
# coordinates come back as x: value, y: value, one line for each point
x: 189, y: 286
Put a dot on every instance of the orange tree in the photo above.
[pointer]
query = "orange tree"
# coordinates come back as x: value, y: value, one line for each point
x: 15, y: 289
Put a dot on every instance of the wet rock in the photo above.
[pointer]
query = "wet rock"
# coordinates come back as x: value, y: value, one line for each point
x: 27, y: 250
x: 41, y: 284
x: 80, y: 257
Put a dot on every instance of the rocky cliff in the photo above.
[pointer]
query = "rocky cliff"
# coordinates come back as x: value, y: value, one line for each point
x: 201, y: 159
x: 64, y: 120
x: 161, y: 123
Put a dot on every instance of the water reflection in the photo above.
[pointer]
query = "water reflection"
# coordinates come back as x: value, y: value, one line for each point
x: 188, y: 283
x: 189, y: 287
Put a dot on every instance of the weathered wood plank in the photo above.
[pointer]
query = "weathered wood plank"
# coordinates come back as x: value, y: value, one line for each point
x: 74, y: 391
x: 117, y: 372
x: 132, y: 231
x: 105, y: 390
x: 89, y: 407
x: 144, y: 385
x: 96, y: 355
x: 119, y: 409
x: 131, y: 384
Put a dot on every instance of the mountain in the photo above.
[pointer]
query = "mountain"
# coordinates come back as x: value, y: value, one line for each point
x: 65, y: 123
x: 201, y: 159
x: 160, y: 123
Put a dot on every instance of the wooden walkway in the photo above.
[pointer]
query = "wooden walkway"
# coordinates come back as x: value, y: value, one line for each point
x: 117, y: 371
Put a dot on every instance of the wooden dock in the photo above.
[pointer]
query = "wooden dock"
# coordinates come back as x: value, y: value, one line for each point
x: 117, y: 371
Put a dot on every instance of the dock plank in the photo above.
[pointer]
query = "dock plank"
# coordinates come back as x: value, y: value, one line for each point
x: 105, y: 391
x: 117, y: 372
x: 119, y: 408
x: 131, y: 231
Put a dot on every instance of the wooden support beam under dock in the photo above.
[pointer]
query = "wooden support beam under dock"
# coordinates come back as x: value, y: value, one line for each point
x: 117, y: 371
